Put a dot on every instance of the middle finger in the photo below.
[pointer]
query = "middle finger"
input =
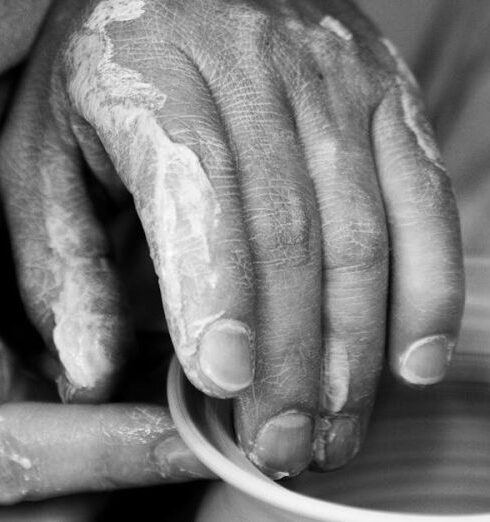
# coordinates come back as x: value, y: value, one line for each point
x: 333, y: 122
x: 275, y: 416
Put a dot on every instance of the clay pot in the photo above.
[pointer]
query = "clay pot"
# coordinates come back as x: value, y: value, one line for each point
x: 426, y: 457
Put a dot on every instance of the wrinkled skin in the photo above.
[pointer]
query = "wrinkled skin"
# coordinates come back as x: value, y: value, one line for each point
x: 108, y: 446
x: 284, y: 175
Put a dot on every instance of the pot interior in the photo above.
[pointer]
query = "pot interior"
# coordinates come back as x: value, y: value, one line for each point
x: 426, y: 452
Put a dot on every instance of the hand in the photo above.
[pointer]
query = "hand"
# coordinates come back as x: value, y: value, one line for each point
x: 106, y: 447
x: 292, y: 197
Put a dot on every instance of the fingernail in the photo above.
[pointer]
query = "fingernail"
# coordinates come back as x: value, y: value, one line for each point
x: 175, y: 460
x: 426, y: 361
x: 225, y: 356
x: 283, y: 445
x: 337, y: 441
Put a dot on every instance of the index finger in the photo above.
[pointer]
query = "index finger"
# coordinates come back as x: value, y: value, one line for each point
x: 168, y: 145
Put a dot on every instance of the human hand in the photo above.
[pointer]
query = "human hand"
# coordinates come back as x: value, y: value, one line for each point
x: 284, y: 173
x: 49, y: 449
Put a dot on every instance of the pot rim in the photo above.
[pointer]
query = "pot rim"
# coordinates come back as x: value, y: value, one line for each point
x: 229, y: 464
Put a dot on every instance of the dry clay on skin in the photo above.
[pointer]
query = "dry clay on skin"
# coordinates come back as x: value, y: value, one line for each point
x: 412, y: 109
x: 118, y: 103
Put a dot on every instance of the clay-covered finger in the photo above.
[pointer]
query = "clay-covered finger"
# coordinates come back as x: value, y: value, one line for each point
x: 168, y: 145
x: 355, y: 250
x: 50, y: 450
x: 67, y: 278
x: 427, y: 281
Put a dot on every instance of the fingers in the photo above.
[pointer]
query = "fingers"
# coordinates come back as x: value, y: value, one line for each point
x: 168, y: 145
x: 66, y: 275
x: 427, y: 287
x: 355, y: 262
x: 185, y: 185
x: 274, y: 419
x: 50, y: 450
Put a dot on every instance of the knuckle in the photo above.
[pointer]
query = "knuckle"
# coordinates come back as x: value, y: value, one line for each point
x: 254, y: 21
x: 254, y: 32
x: 249, y: 19
x: 357, y: 242
x: 282, y: 232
